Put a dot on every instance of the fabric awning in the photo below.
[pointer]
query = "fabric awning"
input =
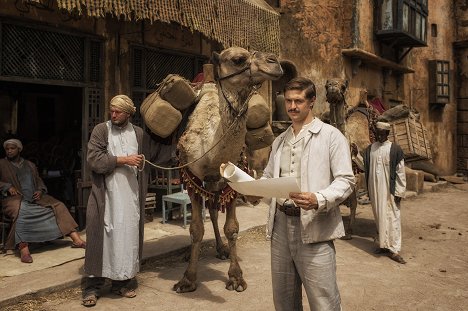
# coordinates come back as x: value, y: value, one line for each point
x: 251, y: 24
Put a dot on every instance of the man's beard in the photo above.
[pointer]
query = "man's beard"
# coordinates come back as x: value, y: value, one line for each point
x: 119, y: 123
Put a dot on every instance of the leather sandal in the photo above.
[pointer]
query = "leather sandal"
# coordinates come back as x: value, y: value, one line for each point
x: 125, y: 292
x: 90, y: 300
x: 397, y: 258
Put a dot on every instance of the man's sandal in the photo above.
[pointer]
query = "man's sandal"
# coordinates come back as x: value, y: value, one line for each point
x: 125, y: 292
x: 79, y: 245
x: 90, y: 300
x: 397, y: 258
x: 381, y: 251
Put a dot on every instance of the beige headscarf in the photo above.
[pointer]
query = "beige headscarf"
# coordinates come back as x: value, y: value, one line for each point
x: 123, y: 103
x: 13, y: 141
x: 383, y: 126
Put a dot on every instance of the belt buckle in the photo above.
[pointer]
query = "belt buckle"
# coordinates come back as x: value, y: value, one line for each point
x: 289, y: 208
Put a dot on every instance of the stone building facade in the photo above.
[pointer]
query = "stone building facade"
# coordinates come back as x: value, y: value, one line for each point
x: 359, y: 40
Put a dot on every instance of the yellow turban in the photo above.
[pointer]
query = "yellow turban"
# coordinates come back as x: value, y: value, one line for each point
x: 123, y: 103
x: 13, y: 142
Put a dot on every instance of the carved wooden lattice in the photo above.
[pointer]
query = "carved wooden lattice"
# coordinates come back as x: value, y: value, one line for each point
x: 94, y: 114
x: 41, y: 54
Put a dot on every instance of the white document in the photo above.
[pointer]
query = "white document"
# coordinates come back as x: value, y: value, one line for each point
x: 269, y: 187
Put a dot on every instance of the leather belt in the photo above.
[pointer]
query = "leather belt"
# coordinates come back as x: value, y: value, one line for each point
x: 289, y: 210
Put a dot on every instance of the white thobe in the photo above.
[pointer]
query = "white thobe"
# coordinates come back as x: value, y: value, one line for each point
x: 386, y: 212
x: 122, y: 212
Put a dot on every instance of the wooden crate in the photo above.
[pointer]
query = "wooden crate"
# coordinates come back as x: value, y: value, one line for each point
x: 412, y: 138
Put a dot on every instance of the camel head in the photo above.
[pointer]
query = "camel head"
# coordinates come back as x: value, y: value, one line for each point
x: 336, y: 89
x: 239, y: 68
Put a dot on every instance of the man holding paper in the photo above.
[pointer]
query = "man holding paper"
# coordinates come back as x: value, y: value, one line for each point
x: 302, y: 227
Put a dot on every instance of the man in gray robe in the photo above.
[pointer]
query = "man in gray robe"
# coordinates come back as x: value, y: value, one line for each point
x: 115, y: 211
x: 37, y: 217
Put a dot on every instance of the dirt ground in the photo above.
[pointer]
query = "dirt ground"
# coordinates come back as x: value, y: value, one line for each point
x: 435, y: 245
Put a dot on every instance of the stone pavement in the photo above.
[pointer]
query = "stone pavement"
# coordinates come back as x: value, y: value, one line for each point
x: 56, y: 271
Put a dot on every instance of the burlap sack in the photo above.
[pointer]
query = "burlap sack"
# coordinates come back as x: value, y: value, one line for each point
x: 258, y: 113
x: 259, y: 138
x: 147, y: 102
x: 177, y: 91
x: 161, y: 118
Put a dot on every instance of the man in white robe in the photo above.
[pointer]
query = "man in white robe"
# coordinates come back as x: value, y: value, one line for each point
x: 386, y: 182
x: 114, y: 215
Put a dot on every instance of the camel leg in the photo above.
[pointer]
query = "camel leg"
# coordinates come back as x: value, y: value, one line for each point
x: 352, y: 212
x: 221, y: 248
x: 352, y: 204
x: 231, y: 230
x: 197, y: 230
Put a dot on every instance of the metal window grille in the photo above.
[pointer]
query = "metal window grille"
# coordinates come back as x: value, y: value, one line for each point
x: 34, y: 53
x: 95, y: 61
x: 138, y: 98
x: 151, y: 66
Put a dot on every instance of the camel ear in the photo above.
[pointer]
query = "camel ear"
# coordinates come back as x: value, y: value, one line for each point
x: 215, y: 58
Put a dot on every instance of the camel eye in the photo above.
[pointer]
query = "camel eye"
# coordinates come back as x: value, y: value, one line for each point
x: 239, y: 60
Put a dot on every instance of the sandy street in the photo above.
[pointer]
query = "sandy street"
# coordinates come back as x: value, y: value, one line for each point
x: 435, y: 245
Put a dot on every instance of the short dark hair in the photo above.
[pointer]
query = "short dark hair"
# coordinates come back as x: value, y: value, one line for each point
x: 301, y: 84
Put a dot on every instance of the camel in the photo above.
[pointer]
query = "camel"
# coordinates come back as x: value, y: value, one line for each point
x: 215, y: 134
x: 353, y: 122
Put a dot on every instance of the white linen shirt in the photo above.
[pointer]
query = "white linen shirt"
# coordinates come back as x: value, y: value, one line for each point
x: 326, y: 171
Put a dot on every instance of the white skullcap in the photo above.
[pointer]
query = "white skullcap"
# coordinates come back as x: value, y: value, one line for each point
x: 123, y: 103
x: 383, y: 126
x: 13, y: 141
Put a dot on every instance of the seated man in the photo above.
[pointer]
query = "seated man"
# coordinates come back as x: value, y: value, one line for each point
x: 37, y: 217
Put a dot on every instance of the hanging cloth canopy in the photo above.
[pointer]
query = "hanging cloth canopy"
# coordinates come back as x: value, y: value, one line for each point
x: 251, y: 24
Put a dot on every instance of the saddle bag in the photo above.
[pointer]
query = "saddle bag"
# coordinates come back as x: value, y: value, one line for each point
x: 177, y: 91
x: 259, y: 138
x: 258, y: 113
x: 160, y: 116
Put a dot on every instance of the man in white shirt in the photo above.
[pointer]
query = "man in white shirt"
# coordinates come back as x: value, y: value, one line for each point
x: 302, y: 227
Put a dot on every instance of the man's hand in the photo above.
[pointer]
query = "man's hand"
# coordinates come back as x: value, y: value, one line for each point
x: 305, y: 200
x: 37, y: 195
x: 13, y: 191
x: 134, y: 160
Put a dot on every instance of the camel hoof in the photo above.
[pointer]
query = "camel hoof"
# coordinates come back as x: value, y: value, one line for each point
x: 238, y: 285
x: 184, y: 286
